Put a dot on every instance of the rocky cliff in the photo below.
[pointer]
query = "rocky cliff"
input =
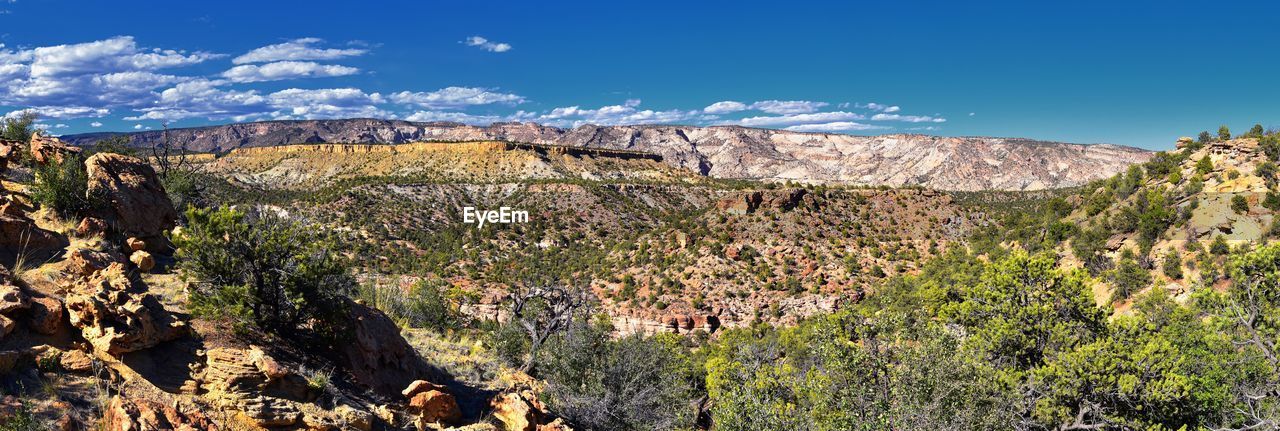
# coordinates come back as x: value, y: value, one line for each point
x: 950, y: 163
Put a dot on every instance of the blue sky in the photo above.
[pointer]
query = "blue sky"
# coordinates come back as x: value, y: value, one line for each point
x: 1128, y: 72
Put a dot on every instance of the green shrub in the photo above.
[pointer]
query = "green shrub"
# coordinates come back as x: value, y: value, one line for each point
x: 1172, y: 265
x: 263, y: 271
x: 1129, y: 277
x: 1239, y: 204
x: 64, y: 187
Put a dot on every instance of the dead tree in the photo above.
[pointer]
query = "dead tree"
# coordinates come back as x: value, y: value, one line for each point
x: 543, y: 310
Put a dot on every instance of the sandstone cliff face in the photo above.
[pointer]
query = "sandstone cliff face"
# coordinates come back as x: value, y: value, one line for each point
x: 949, y: 163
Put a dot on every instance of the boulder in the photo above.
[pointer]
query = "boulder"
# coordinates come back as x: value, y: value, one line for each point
x: 49, y: 149
x: 135, y: 244
x: 518, y: 411
x: 433, y: 406
x: 142, y: 260
x: 137, y: 204
x: 83, y: 262
x: 46, y: 315
x: 139, y: 414
x: 76, y: 361
x: 8, y: 149
x: 116, y: 316
x: 91, y: 226
x: 19, y: 236
x: 12, y: 299
x: 379, y: 357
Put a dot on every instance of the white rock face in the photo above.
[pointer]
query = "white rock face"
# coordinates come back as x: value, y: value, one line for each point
x: 947, y: 163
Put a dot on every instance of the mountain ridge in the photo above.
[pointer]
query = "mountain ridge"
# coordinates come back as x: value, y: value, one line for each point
x: 732, y: 152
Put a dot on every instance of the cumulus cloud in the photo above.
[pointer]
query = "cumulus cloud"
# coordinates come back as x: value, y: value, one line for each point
x: 626, y: 113
x: 880, y: 107
x: 486, y: 44
x: 834, y: 127
x: 296, y: 50
x: 95, y: 124
x: 282, y: 70
x: 61, y: 112
x: 455, y: 97
x: 463, y: 117
x: 797, y: 119
x: 296, y: 103
x: 908, y: 118
x: 99, y: 74
x: 725, y: 107
x: 787, y: 107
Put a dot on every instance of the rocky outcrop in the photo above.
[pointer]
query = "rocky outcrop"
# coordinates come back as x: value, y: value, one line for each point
x: 136, y: 414
x: 8, y: 151
x: 431, y: 404
x: 379, y: 357
x: 949, y: 163
x: 49, y: 149
x: 137, y: 205
x: 748, y: 202
x: 20, y: 237
x: 116, y: 315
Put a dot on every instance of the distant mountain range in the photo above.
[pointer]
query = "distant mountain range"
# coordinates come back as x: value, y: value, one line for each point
x: 946, y: 163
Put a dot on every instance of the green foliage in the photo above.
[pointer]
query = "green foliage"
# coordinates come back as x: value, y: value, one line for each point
x: 1172, y: 265
x: 631, y: 383
x: 1239, y: 204
x: 20, y: 127
x: 22, y: 419
x: 1129, y: 277
x: 64, y: 187
x: 1224, y: 133
x: 1204, y: 138
x: 429, y: 303
x: 1255, y: 132
x: 1024, y: 310
x: 263, y: 271
x: 1204, y: 166
x: 1160, y: 368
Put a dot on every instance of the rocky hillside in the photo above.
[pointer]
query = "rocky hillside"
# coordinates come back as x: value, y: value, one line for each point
x: 969, y: 163
x: 1168, y: 223
x: 661, y: 245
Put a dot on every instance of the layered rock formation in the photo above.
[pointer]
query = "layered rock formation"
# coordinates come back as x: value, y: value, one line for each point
x: 950, y: 163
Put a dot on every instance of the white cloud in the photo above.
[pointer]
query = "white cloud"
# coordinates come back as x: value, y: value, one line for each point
x: 61, y: 112
x: 205, y: 98
x: 881, y: 107
x: 725, y: 107
x: 137, y: 127
x: 294, y: 50
x: 282, y: 70
x: 462, y: 117
x: 295, y: 103
x: 95, y: 124
x: 787, y: 107
x: 972, y: 114
x: 99, y: 74
x: 908, y: 118
x: 486, y: 44
x: 455, y: 97
x: 626, y: 113
x: 835, y: 126
x: 796, y: 119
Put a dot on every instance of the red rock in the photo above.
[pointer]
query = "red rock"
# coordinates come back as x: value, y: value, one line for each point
x: 433, y: 406
x: 91, y: 226
x: 137, y: 204
x: 46, y: 315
